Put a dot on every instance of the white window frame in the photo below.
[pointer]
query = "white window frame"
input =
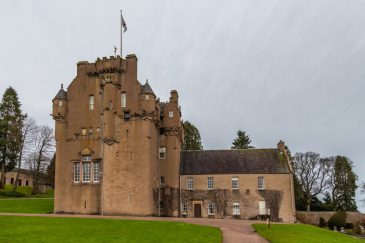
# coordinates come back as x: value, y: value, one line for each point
x: 236, y: 208
x: 77, y: 172
x: 86, y: 168
x: 190, y: 183
x: 261, y: 183
x: 211, y: 208
x: 171, y: 114
x: 162, y: 152
x: 262, y: 207
x: 123, y: 99
x: 184, y: 207
x: 91, y: 102
x: 210, y: 182
x: 96, y: 172
x: 235, y: 183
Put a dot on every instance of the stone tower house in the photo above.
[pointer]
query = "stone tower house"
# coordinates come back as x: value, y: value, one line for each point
x: 116, y: 142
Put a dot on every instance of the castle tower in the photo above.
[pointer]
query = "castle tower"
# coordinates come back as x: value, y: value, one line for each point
x: 109, y: 129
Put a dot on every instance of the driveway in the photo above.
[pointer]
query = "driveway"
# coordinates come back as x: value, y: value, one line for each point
x: 234, y: 231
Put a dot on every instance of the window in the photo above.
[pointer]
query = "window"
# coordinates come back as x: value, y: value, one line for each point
x: 77, y: 172
x: 19, y: 182
x: 184, y: 207
x: 12, y: 181
x: 126, y: 116
x: 27, y: 183
x: 210, y: 183
x: 96, y: 167
x: 190, y: 183
x: 211, y: 208
x: 60, y: 103
x: 260, y: 183
x: 236, y: 208
x: 162, y: 152
x: 162, y: 180
x: 98, y: 129
x: 123, y: 100
x: 90, y: 130
x: 86, y: 171
x: 147, y: 97
x: 262, y: 207
x: 171, y: 114
x: 247, y: 191
x: 235, y: 183
x: 91, y: 102
x: 83, y: 131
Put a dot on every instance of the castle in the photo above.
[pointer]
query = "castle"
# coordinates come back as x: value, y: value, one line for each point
x: 119, y: 153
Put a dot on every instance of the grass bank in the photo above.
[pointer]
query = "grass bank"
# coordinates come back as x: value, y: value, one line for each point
x: 47, y: 229
x: 26, y: 205
x: 301, y: 233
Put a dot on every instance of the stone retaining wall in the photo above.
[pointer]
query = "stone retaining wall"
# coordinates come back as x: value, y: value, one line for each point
x: 313, y: 217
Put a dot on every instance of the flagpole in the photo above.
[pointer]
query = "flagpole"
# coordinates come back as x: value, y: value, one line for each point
x: 121, y: 33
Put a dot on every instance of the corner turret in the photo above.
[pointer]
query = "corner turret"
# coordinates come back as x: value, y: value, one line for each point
x: 59, y: 104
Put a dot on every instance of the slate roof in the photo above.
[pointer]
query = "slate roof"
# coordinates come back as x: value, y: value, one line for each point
x: 245, y: 161
x: 146, y: 89
x: 61, y: 95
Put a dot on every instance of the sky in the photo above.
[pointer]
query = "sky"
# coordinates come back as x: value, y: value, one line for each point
x: 291, y: 70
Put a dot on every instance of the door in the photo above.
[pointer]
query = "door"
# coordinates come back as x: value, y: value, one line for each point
x: 262, y: 208
x: 197, y: 210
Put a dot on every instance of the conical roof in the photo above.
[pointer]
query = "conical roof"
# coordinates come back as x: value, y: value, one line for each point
x: 61, y: 95
x: 146, y: 89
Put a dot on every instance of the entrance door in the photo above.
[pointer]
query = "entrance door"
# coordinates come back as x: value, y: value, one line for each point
x: 262, y: 208
x: 197, y: 210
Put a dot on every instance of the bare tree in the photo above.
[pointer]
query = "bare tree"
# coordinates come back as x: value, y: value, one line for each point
x: 311, y: 172
x: 220, y: 198
x: 41, y: 155
x: 28, y: 132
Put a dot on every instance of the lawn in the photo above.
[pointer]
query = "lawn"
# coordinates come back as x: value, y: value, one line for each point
x: 26, y: 205
x: 301, y: 233
x: 49, y: 229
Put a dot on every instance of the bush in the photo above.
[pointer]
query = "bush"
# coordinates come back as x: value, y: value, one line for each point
x: 12, y: 194
x: 338, y: 220
x: 349, y: 226
x: 322, y: 222
x: 26, y: 190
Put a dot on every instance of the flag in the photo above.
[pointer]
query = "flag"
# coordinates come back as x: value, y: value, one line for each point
x: 124, y: 25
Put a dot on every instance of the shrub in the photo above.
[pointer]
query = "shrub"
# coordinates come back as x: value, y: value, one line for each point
x: 12, y: 194
x: 338, y: 220
x: 322, y: 222
x: 349, y: 226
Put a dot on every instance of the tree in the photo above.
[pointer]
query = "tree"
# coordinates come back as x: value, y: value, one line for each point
x: 40, y: 157
x: 242, y: 141
x: 192, y: 140
x: 51, y: 171
x: 311, y: 171
x: 343, y: 185
x: 11, y: 122
x: 28, y: 130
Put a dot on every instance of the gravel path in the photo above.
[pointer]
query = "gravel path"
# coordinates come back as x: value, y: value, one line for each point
x: 234, y: 231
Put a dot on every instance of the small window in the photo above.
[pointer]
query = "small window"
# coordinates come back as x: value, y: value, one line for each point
x: 184, y: 207
x: 126, y: 116
x: 77, y: 172
x: 110, y: 105
x: 96, y: 171
x: 90, y: 130
x: 19, y: 182
x: 147, y: 97
x: 162, y: 152
x: 235, y: 183
x: 260, y: 183
x: 247, y: 191
x: 236, y: 208
x: 210, y: 183
x: 12, y: 181
x: 83, y: 131
x: 162, y: 180
x: 211, y: 208
x: 98, y: 129
x: 123, y: 100
x: 91, y: 102
x: 190, y: 183
x: 60, y: 103
x: 171, y: 114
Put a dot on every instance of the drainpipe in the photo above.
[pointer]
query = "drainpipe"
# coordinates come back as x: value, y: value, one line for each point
x: 102, y: 151
x: 179, y: 194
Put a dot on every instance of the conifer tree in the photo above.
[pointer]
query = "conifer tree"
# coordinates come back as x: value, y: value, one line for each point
x: 242, y: 141
x: 11, y: 121
x: 192, y: 140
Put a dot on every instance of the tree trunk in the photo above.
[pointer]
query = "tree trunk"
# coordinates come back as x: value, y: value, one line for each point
x: 2, y: 179
x: 309, y: 205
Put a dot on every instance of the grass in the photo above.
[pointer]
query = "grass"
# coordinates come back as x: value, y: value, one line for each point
x: 27, y: 191
x: 26, y: 205
x: 47, y: 229
x: 280, y: 233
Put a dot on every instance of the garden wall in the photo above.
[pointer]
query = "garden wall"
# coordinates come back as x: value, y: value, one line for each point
x: 313, y: 217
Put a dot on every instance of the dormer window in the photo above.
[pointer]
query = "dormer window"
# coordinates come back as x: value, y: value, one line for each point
x: 60, y: 103
x: 147, y: 97
x: 171, y: 114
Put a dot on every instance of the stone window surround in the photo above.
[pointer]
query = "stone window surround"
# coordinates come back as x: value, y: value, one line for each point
x: 210, y: 183
x: 92, y: 181
x: 235, y: 183
x: 211, y: 208
x: 190, y: 183
x: 261, y: 183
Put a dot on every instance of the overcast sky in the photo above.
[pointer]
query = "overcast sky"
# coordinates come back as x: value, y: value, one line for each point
x: 290, y: 70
